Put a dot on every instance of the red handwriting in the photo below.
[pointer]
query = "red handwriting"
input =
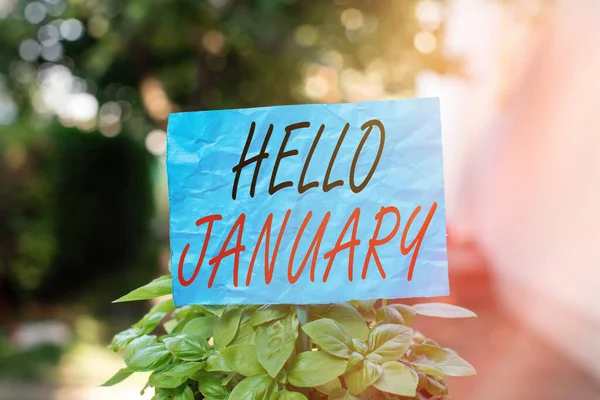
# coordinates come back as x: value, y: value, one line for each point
x: 378, y: 239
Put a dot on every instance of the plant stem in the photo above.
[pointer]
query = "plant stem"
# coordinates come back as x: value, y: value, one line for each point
x: 383, y: 302
x: 302, y: 313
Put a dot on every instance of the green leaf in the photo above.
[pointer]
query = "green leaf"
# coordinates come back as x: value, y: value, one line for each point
x: 186, y: 394
x: 187, y: 347
x: 275, y: 342
x: 158, y: 287
x: 360, y: 346
x: 354, y: 360
x: 122, y: 339
x: 256, y: 387
x: 435, y: 387
x: 314, y: 368
x: 331, y: 336
x: 120, y: 376
x: 151, y: 320
x: 443, y: 310
x: 268, y: 313
x: 328, y: 387
x: 366, y: 305
x: 242, y: 359
x: 174, y: 375
x: 342, y: 394
x: 217, y: 311
x: 440, y: 362
x: 143, y: 354
x: 287, y: 395
x: 397, y: 379
x: 245, y: 332
x: 215, y: 362
x: 226, y: 327
x: 169, y: 326
x: 407, y: 312
x: 389, y: 315
x: 359, y: 379
x: 211, y: 387
x: 390, y: 341
x: 201, y: 326
x: 345, y: 314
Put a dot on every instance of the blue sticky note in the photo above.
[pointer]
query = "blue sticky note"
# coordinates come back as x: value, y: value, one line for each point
x: 347, y: 198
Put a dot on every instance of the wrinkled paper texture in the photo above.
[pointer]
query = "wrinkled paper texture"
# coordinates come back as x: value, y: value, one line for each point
x: 202, y: 149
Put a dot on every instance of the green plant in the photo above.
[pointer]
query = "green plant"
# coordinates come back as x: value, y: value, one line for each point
x: 263, y: 352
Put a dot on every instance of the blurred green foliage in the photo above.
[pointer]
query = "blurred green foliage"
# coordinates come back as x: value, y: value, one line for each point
x: 82, y: 82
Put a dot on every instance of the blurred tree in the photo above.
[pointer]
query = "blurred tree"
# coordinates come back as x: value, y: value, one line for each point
x: 114, y: 68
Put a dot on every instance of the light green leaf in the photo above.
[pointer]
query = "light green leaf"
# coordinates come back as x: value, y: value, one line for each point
x: 361, y: 378
x: 256, y: 387
x: 331, y: 336
x: 390, y: 341
x: 213, y: 309
x: 275, y: 342
x: 242, y: 359
x: 314, y: 368
x: 122, y: 339
x: 342, y: 394
x: 211, y: 387
x: 345, y: 314
x: 186, y: 394
x: 170, y: 325
x: 120, y: 376
x: 227, y: 327
x: 443, y: 310
x: 143, y: 354
x: 174, y: 375
x: 287, y: 395
x: 397, y: 379
x: 360, y: 346
x: 201, y: 326
x: 158, y: 287
x: 245, y: 332
x: 366, y: 305
x: 328, y: 387
x: 389, y: 315
x: 407, y: 312
x: 215, y: 362
x: 187, y: 347
x: 268, y: 313
x: 354, y: 360
x: 440, y: 362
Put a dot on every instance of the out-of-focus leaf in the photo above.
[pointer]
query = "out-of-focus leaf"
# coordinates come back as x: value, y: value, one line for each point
x: 342, y: 394
x: 120, y: 376
x: 287, y: 395
x: 440, y: 362
x: 328, y: 387
x: 158, y: 287
x: 443, y: 310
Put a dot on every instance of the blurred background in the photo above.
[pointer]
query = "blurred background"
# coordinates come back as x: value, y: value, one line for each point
x: 85, y: 90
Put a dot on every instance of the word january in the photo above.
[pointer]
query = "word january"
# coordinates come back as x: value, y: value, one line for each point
x: 235, y: 237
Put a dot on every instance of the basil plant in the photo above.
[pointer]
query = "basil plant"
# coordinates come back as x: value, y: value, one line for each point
x: 343, y: 351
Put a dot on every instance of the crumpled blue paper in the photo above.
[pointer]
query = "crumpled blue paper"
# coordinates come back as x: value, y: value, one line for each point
x: 203, y: 148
